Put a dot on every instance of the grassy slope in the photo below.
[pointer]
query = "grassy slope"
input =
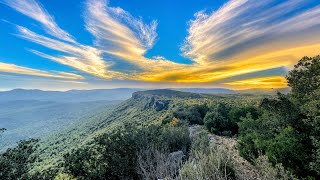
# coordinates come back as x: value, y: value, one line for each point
x: 144, y: 107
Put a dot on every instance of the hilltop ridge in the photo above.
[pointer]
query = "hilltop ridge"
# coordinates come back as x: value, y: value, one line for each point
x: 168, y: 93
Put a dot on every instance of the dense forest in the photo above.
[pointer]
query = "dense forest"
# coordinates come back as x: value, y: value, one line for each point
x: 165, y: 134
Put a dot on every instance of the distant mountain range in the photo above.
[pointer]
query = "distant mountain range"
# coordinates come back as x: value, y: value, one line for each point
x: 68, y: 96
x: 259, y: 91
x: 208, y: 90
x: 111, y: 94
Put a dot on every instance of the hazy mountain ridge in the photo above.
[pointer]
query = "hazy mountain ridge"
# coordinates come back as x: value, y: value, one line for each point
x: 112, y: 94
x: 68, y: 96
x: 260, y: 91
x: 207, y: 90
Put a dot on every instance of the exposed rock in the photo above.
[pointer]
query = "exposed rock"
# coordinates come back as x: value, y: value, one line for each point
x: 176, y: 156
x: 151, y: 101
x: 161, y: 105
x: 194, y: 130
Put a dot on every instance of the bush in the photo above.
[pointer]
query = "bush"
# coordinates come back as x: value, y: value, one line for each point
x: 217, y: 121
x: 115, y: 155
x: 193, y: 114
x: 279, y: 134
x: 247, y: 147
x: 268, y: 171
x: 213, y: 165
x: 159, y: 164
x: 288, y: 149
x: 237, y: 113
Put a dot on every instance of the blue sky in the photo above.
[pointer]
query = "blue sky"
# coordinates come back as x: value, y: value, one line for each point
x: 89, y: 44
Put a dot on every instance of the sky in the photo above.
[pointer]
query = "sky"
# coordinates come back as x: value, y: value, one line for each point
x: 94, y: 44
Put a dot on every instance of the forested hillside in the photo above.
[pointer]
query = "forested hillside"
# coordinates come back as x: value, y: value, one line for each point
x: 144, y: 108
x: 167, y: 134
x: 37, y: 119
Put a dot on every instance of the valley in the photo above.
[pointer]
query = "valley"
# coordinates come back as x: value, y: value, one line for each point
x: 165, y: 134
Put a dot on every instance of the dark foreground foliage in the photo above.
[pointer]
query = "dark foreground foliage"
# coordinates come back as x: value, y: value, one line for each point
x: 288, y: 129
x: 14, y: 162
x: 115, y: 155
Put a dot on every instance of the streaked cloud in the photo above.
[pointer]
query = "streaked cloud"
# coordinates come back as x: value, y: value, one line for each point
x: 85, y: 58
x: 81, y: 57
x: 14, y: 69
x: 240, y: 38
x: 34, y: 10
x: 263, y: 82
x: 123, y: 36
x: 116, y: 31
x: 217, y: 71
x: 242, y: 25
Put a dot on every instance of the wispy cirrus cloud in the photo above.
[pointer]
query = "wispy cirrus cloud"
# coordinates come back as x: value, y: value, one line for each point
x: 242, y: 25
x: 15, y: 69
x: 121, y: 35
x: 81, y: 57
x: 34, y: 10
x: 246, y: 36
x: 118, y: 32
x: 86, y: 58
x: 242, y: 37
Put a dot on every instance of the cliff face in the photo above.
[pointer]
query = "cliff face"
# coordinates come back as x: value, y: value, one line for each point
x: 153, y: 100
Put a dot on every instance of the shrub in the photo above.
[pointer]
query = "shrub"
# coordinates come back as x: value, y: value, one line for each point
x: 247, y: 147
x: 213, y: 165
x: 116, y: 155
x: 269, y: 172
x: 192, y: 114
x: 288, y: 149
x: 159, y: 164
x: 217, y: 121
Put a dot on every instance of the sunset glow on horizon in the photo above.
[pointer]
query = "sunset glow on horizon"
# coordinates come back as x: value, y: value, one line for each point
x: 236, y: 44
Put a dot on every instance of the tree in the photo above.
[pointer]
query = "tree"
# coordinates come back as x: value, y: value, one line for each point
x: 237, y: 113
x: 287, y: 131
x: 304, y: 79
x: 14, y: 161
x: 192, y: 114
x: 218, y: 122
x: 288, y: 148
x: 115, y: 155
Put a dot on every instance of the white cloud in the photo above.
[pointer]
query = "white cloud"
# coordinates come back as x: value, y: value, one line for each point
x: 159, y: 58
x: 246, y: 23
x: 117, y: 28
x: 85, y: 58
x: 14, y: 69
x: 35, y: 11
x: 120, y: 34
x: 243, y: 36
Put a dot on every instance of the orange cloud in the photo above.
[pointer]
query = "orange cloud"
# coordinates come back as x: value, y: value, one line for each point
x: 263, y: 82
x: 242, y: 37
x: 14, y: 69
